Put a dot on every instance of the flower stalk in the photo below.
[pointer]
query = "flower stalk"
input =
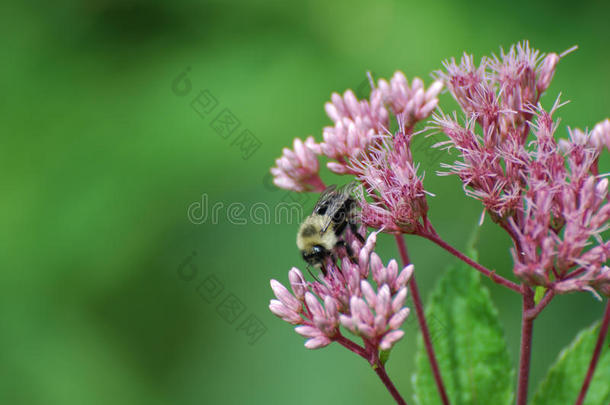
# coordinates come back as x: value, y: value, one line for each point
x: 421, y: 318
x: 546, y: 193
x: 380, y: 370
x: 496, y: 278
x: 534, y: 312
x: 373, y: 358
x: 603, y: 330
x: 527, y: 329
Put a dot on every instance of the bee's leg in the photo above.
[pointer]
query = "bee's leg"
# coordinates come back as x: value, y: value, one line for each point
x: 311, y: 274
x: 332, y: 264
x: 348, y: 249
x: 340, y: 227
x: 354, y: 228
x: 353, y: 219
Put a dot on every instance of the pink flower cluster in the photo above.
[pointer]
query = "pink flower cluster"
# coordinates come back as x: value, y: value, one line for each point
x: 355, y: 125
x: 600, y: 135
x: 546, y: 194
x: 298, y: 169
x: 345, y: 297
x: 391, y: 180
x: 355, y: 133
x: 497, y: 97
x: 409, y: 104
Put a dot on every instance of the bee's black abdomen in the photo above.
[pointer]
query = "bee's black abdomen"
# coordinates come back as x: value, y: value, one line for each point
x: 340, y: 218
x: 339, y: 228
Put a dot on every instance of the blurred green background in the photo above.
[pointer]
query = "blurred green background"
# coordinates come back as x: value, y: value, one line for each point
x: 101, y: 160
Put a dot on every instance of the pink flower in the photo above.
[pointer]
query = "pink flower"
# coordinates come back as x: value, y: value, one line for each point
x: 344, y: 297
x: 600, y: 135
x: 390, y: 179
x: 298, y: 169
x: 355, y: 125
x: 499, y: 96
x: 593, y: 280
x: 499, y: 92
x: 560, y: 236
x: 544, y: 193
x: 559, y: 231
x: 378, y: 316
x: 410, y: 103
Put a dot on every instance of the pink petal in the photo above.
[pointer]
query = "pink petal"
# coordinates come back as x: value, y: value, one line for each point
x: 398, y: 318
x: 314, y: 305
x: 284, y: 295
x: 317, y: 342
x: 390, y: 338
x: 399, y: 299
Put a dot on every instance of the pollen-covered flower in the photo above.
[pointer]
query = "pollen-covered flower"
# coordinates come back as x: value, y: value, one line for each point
x: 545, y: 193
x: 498, y: 92
x: 390, y: 179
x: 345, y: 297
x: 560, y: 235
x: 356, y: 129
x: 298, y: 169
x: 594, y: 280
x: 498, y: 97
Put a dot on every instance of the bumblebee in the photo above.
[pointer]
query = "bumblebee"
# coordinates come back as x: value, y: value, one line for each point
x: 322, y: 232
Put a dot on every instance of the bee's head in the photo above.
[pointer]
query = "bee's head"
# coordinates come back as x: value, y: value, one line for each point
x: 316, y: 255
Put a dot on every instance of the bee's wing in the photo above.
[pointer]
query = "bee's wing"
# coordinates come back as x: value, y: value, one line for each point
x: 335, y: 201
x: 325, y: 199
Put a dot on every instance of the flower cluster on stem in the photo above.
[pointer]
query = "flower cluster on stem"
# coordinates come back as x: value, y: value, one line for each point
x: 360, y: 144
x: 345, y: 297
x: 547, y: 194
x: 355, y: 133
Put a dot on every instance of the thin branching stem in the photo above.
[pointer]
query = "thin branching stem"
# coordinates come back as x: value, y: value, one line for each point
x: 534, y: 312
x: 496, y: 278
x: 421, y: 318
x: 380, y: 370
x: 370, y: 354
x: 348, y: 344
x: 603, y: 330
x: 527, y: 329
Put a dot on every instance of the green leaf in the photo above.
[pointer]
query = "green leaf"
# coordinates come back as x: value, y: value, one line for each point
x: 564, y: 379
x: 539, y: 294
x: 384, y: 356
x: 469, y: 344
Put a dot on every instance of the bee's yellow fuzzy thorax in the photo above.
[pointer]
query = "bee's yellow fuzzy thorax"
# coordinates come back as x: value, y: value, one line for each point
x: 309, y: 233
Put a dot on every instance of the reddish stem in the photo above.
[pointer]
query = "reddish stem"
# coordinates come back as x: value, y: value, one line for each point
x: 504, y: 225
x: 489, y: 273
x: 370, y: 355
x: 348, y: 344
x: 534, y: 312
x: 317, y: 183
x: 574, y: 273
x: 527, y: 328
x: 419, y: 309
x: 603, y: 330
x: 380, y: 370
